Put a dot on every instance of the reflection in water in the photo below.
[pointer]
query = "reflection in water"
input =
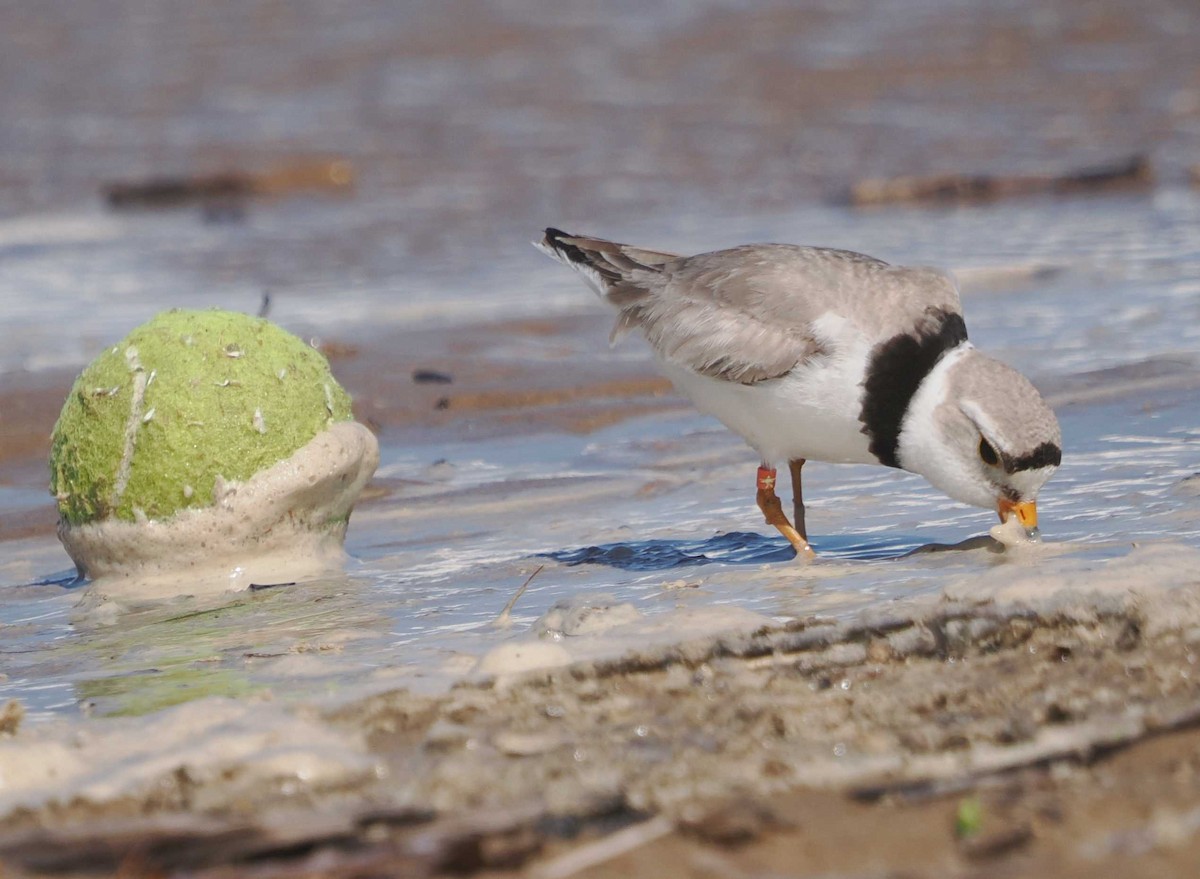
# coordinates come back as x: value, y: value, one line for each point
x: 147, y: 690
x: 147, y: 657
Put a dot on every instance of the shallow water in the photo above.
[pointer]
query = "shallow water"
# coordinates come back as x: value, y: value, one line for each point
x: 1096, y: 298
x: 435, y: 568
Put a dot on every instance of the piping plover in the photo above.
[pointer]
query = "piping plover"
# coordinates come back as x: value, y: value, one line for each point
x: 811, y: 353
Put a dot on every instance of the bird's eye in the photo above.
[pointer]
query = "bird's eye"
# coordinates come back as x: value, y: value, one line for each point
x: 988, y: 453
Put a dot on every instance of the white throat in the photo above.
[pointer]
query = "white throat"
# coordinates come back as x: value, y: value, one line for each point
x: 923, y: 447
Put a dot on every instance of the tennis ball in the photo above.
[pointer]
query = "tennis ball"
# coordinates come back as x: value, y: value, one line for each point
x: 187, y: 402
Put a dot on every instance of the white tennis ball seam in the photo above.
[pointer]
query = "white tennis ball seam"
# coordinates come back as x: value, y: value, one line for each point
x: 132, y: 424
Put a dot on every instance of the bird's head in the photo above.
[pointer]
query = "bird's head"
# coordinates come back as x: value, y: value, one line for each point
x: 979, y: 430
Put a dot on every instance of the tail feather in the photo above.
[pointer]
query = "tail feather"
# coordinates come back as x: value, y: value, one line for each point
x: 606, y: 265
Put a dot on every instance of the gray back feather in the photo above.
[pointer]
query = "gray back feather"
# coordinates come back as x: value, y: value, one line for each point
x: 747, y: 314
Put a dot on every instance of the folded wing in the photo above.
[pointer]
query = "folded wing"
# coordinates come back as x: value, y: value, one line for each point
x: 750, y: 314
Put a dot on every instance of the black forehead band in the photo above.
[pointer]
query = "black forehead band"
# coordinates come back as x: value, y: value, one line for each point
x: 1045, y: 455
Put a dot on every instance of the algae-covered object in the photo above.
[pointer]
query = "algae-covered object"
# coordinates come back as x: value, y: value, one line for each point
x: 178, y: 417
x: 184, y: 399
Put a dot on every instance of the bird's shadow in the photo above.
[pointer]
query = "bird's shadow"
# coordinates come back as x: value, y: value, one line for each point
x: 734, y: 548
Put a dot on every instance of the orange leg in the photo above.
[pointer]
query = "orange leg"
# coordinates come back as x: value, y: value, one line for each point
x: 772, y: 510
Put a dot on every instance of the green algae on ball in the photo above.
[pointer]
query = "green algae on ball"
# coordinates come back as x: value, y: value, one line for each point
x: 185, y: 400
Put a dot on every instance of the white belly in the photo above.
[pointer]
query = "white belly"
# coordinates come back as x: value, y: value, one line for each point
x: 810, y: 413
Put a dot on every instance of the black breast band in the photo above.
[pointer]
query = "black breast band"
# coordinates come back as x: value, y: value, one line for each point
x: 895, y: 369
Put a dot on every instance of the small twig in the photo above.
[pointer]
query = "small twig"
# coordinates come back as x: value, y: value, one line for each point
x: 258, y: 587
x: 504, y: 620
x: 603, y: 850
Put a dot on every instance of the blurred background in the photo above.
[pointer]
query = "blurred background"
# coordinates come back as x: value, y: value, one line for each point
x: 469, y: 125
x: 466, y: 113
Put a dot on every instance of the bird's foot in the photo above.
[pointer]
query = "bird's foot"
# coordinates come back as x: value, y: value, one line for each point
x: 772, y: 510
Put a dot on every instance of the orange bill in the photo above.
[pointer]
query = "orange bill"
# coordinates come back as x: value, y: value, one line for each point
x: 1026, y: 512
